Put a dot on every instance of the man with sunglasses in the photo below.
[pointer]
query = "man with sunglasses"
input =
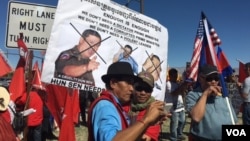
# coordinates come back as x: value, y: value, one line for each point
x: 245, y: 94
x: 207, y: 107
x: 107, y: 120
x: 141, y: 100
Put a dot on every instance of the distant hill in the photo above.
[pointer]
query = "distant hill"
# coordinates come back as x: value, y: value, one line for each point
x: 182, y: 69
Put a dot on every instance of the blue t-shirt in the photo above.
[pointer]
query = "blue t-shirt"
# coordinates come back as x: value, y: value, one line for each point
x: 106, y: 121
x: 216, y: 114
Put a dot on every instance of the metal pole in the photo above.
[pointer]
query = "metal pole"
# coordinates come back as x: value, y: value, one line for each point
x: 127, y: 4
x: 142, y: 6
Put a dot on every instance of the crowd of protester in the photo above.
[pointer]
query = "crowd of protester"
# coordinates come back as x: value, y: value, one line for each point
x: 126, y: 110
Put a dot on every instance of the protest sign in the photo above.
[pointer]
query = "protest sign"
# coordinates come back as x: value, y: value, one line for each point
x: 117, y: 26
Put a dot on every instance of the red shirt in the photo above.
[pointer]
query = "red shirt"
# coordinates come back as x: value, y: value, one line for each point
x: 36, y: 103
x: 153, y: 131
x: 6, y: 115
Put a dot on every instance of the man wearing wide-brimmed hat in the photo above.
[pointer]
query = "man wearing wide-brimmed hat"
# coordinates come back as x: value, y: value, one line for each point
x: 107, y: 120
x: 4, y: 99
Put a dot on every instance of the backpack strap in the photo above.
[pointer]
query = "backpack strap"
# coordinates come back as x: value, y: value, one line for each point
x: 14, y: 112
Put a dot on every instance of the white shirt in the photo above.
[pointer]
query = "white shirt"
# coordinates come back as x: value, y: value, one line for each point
x: 177, y: 100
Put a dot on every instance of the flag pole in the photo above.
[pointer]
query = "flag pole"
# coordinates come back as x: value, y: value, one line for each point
x: 239, y: 60
x: 215, y: 62
x: 28, y: 89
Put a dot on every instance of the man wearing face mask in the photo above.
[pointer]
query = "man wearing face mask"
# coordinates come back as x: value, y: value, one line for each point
x: 207, y: 107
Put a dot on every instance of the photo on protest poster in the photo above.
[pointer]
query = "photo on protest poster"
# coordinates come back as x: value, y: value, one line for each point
x: 88, y: 36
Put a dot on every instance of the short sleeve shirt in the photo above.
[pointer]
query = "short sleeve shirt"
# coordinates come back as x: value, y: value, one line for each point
x: 216, y: 114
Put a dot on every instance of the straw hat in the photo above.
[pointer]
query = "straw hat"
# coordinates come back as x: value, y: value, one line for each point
x: 4, y: 99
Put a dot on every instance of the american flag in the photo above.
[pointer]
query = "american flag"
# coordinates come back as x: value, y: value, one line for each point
x: 204, y: 53
x: 200, y: 41
x: 220, y: 60
x: 204, y: 50
x: 194, y: 65
x: 213, y: 34
x: 215, y: 38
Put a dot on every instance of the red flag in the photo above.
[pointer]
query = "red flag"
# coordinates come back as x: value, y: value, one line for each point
x: 36, y: 66
x: 64, y: 106
x: 227, y: 70
x: 76, y: 106
x: 36, y: 82
x: 242, y: 73
x: 56, y: 96
x: 17, y: 85
x: 5, y: 66
x: 23, y: 50
x: 67, y: 131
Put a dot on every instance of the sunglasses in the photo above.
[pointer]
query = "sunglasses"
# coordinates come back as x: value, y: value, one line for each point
x: 144, y: 88
x: 211, y: 78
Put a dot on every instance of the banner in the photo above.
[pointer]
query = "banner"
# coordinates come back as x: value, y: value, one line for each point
x: 87, y: 36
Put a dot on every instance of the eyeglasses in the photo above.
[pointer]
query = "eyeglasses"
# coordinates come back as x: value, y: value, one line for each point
x: 211, y: 78
x: 144, y: 88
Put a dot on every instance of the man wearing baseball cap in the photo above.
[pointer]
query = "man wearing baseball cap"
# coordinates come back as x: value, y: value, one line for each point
x: 142, y: 98
x: 107, y: 119
x: 207, y: 107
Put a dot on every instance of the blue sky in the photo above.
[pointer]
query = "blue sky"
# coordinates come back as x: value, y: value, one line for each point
x: 230, y: 18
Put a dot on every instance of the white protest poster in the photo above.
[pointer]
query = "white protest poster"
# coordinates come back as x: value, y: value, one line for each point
x: 112, y: 27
